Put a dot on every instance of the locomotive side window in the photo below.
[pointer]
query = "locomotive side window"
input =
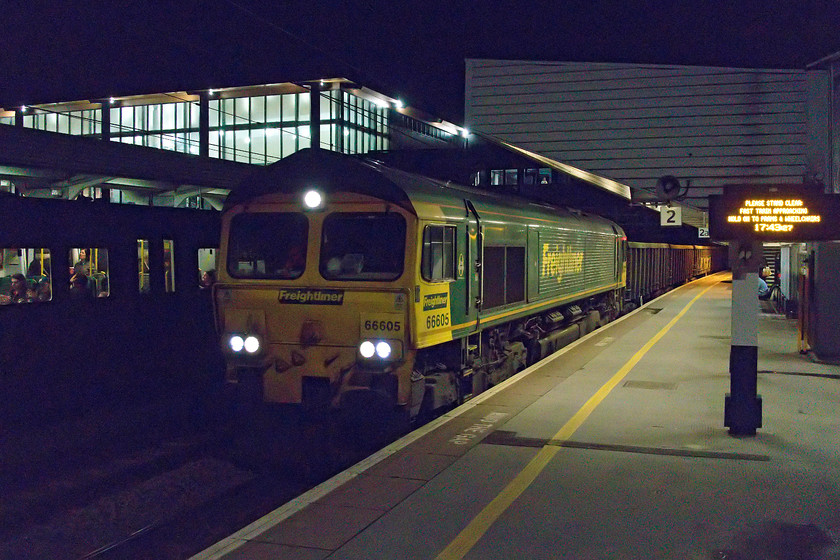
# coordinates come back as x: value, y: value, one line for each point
x: 25, y: 276
x: 267, y: 245
x: 362, y: 246
x: 89, y: 273
x: 507, y: 263
x: 514, y: 274
x: 438, y: 262
x: 493, y: 270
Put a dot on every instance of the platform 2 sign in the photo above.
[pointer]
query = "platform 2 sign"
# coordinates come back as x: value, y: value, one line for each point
x: 774, y: 215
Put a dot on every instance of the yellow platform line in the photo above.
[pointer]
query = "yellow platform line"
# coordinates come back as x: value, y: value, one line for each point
x: 470, y: 535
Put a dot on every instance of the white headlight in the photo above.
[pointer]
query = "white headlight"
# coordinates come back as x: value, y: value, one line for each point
x: 383, y: 349
x: 252, y: 344
x: 236, y: 343
x: 312, y: 199
x: 367, y: 349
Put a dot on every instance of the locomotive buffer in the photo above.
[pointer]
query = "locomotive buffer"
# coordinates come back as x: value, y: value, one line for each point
x: 747, y: 216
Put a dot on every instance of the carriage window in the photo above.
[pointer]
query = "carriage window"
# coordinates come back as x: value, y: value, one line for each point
x: 511, y: 176
x: 438, y: 263
x: 267, y: 245
x: 363, y: 246
x: 143, y: 266
x: 25, y: 276
x: 168, y: 267
x: 544, y: 176
x: 89, y: 273
x: 497, y: 177
x: 206, y: 267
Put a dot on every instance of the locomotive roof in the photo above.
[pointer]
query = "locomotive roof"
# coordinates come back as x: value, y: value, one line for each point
x: 331, y: 171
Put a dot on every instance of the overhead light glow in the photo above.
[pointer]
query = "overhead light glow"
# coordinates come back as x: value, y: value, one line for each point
x: 312, y: 199
x: 399, y: 104
x: 111, y: 100
x: 465, y: 132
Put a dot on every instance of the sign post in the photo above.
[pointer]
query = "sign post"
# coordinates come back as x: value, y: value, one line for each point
x: 746, y: 217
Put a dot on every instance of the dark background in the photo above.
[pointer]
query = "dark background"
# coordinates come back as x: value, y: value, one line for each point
x: 58, y: 50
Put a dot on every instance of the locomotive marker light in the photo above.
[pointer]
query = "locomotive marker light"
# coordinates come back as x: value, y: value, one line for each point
x: 313, y: 200
x: 746, y: 216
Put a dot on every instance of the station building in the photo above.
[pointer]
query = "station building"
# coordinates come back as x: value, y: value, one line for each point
x: 708, y: 127
x: 252, y: 125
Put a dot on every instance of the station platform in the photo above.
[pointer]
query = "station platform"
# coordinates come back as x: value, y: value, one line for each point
x: 614, y: 447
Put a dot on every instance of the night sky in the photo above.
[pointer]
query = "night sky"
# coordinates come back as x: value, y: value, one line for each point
x: 59, y: 50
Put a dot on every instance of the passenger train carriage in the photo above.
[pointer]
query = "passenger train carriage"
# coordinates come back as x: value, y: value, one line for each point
x: 347, y: 284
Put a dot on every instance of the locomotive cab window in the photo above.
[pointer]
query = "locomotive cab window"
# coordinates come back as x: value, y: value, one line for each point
x: 363, y: 246
x: 438, y: 262
x: 267, y: 245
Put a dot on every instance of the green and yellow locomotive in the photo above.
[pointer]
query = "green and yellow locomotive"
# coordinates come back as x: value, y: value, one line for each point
x: 344, y: 283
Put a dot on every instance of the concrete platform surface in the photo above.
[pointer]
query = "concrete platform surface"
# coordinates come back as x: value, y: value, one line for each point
x: 612, y: 448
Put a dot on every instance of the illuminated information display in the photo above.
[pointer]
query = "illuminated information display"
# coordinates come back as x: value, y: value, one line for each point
x: 774, y: 215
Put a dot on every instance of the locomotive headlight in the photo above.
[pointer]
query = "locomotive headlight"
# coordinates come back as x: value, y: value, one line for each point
x: 383, y: 349
x: 313, y: 200
x: 380, y: 350
x: 236, y: 343
x: 367, y: 349
x: 252, y: 344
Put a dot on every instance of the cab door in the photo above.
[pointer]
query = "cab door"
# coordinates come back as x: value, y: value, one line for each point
x: 472, y: 265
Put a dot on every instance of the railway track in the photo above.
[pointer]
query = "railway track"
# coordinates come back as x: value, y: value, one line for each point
x: 166, y: 495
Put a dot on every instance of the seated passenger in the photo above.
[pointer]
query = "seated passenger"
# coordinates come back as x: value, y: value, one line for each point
x: 295, y: 260
x: 79, y: 287
x: 763, y: 288
x: 18, y: 291
x: 43, y: 290
x: 208, y: 278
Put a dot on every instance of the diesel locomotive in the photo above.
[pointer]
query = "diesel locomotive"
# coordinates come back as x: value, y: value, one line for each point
x: 347, y: 284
